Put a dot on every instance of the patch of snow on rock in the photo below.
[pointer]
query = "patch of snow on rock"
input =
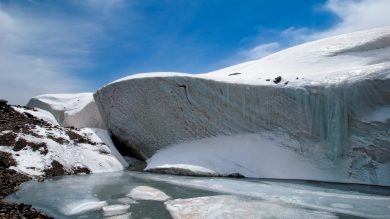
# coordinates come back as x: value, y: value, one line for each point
x: 73, y: 148
x: 39, y: 113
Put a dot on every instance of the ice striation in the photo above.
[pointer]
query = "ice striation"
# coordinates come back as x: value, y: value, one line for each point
x: 78, y: 110
x: 323, y: 103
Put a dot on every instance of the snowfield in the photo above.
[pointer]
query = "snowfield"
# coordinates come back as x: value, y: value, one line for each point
x: 249, y: 155
x: 326, y: 98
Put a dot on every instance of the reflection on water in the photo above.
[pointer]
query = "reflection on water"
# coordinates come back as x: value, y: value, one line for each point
x: 65, y: 197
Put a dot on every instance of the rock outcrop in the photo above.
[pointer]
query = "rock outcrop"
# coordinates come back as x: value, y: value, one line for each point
x: 324, y: 110
x: 70, y: 110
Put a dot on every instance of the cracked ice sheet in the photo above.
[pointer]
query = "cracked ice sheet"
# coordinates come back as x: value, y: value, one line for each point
x: 302, y: 195
x: 226, y: 207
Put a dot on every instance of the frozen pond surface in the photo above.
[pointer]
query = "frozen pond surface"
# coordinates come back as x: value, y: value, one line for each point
x: 201, y: 197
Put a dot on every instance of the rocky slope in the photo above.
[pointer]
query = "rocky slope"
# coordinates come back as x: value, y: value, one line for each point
x: 33, y: 146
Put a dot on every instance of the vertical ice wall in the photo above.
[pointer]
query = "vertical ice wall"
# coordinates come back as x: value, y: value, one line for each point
x: 78, y: 110
x: 161, y: 111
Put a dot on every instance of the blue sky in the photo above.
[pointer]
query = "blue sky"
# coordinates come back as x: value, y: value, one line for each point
x: 78, y: 46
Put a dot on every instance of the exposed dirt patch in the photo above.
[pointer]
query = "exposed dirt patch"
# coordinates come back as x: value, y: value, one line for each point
x: 6, y: 160
x: 79, y: 138
x: 81, y: 170
x: 20, y: 144
x: 10, y: 181
x: 59, y: 140
x: 13, y: 210
x: 102, y: 151
x: 57, y: 169
x: 41, y: 147
x: 23, y: 143
x: 7, y: 139
x: 11, y: 119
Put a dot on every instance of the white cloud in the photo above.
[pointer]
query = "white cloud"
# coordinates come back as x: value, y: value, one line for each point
x: 38, y: 55
x: 262, y: 50
x: 42, y: 52
x: 354, y: 15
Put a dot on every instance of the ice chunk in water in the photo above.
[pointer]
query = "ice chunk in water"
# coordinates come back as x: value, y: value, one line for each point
x: 112, y: 210
x: 82, y: 206
x: 147, y: 193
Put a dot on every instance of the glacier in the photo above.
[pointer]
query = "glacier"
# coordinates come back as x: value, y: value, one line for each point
x: 328, y: 113
x: 78, y: 110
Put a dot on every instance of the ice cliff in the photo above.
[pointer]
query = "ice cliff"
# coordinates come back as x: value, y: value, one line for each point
x: 316, y: 111
x: 78, y: 110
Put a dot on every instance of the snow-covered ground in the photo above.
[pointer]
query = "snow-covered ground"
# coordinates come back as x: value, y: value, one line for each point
x: 326, y: 103
x: 78, y: 110
x: 332, y: 60
x: 96, y: 152
x: 39, y: 113
x: 250, y: 155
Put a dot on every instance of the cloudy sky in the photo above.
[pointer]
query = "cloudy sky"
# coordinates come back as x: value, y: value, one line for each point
x: 79, y: 45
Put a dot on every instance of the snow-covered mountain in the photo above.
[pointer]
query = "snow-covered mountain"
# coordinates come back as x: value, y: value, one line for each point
x: 317, y: 111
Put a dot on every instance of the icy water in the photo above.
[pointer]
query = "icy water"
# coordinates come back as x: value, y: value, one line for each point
x: 62, y: 197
